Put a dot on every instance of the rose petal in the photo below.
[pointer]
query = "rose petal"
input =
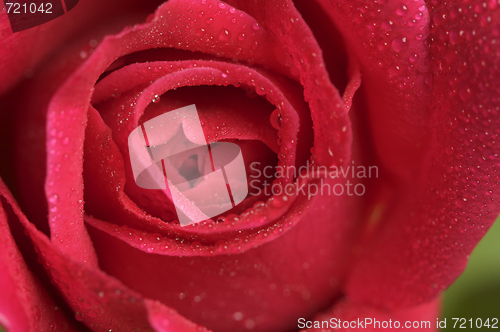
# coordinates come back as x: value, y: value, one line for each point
x: 160, y: 319
x: 295, y: 274
x: 388, y: 40
x: 31, y: 127
x: 94, y: 148
x: 78, y: 88
x: 423, y: 241
x: 22, y: 52
x: 96, y: 298
x: 24, y: 305
x: 325, y: 218
x: 332, y: 142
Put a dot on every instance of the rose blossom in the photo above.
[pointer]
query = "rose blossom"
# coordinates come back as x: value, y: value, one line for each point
x: 408, y: 86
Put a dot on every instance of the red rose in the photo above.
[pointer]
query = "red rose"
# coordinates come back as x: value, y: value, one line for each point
x: 81, y: 240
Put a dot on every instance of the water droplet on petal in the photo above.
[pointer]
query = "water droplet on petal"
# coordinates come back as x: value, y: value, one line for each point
x: 260, y: 90
x: 276, y: 119
x: 224, y: 35
x: 53, y: 199
x: 383, y: 46
x: 256, y: 26
x: 156, y: 99
x: 465, y: 93
x: 402, y: 10
x: 399, y: 44
x: 395, y: 70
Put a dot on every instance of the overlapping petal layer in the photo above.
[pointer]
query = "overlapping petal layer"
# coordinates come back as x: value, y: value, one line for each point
x: 432, y: 107
x: 75, y: 129
x: 440, y: 112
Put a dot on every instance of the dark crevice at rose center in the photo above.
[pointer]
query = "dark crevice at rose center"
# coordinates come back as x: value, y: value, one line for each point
x: 190, y: 169
x: 212, y: 102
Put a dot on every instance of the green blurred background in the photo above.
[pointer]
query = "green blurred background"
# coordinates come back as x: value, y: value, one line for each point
x: 476, y: 294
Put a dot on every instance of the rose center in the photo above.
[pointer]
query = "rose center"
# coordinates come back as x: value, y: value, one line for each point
x: 189, y: 168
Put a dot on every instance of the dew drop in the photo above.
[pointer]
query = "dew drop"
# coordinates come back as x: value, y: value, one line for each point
x: 395, y: 70
x: 224, y: 35
x: 242, y: 37
x: 399, y: 44
x: 256, y: 26
x: 260, y: 90
x: 53, y: 199
x: 276, y: 119
x: 156, y: 99
x: 387, y: 25
x: 258, y: 206
x: 402, y: 10
x: 383, y: 46
x: 465, y: 94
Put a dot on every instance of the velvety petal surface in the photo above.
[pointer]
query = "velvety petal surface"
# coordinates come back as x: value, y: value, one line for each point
x: 24, y: 305
x: 448, y: 198
x: 258, y: 247
x: 22, y: 52
x: 98, y: 300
